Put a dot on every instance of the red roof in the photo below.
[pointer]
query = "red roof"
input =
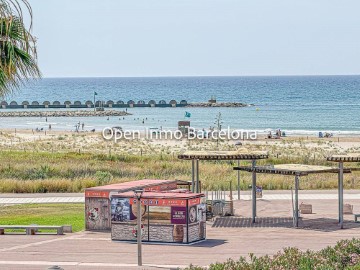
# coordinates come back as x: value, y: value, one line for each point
x: 161, y: 195
x: 132, y: 185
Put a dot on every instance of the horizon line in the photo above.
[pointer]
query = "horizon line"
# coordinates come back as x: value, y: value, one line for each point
x: 198, y: 76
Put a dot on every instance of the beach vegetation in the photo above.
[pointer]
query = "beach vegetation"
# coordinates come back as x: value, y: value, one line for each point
x: 345, y: 255
x: 42, y: 163
x: 62, y: 170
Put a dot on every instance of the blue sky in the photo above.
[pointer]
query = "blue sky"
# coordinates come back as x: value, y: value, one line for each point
x: 88, y: 38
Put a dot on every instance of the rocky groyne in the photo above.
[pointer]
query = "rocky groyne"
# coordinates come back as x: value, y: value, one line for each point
x: 218, y: 104
x: 80, y: 113
x: 118, y: 104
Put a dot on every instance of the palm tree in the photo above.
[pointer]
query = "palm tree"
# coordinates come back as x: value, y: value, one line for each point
x: 18, y: 58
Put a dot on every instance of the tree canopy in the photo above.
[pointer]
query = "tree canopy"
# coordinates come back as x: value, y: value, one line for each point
x: 18, y: 62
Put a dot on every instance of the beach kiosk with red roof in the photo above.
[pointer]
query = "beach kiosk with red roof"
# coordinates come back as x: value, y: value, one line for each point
x: 97, y: 200
x: 175, y: 216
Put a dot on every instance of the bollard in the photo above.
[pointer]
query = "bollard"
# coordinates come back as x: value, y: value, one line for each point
x: 55, y: 267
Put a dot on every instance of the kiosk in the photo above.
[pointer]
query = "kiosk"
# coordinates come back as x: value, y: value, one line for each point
x: 97, y: 200
x: 176, y: 216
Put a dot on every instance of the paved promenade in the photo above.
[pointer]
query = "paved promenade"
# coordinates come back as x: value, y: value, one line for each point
x: 42, y: 200
x: 228, y: 237
x: 10, y: 198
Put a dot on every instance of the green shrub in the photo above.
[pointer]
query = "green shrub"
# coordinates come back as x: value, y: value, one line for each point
x: 345, y: 255
x: 103, y: 177
x: 41, y: 173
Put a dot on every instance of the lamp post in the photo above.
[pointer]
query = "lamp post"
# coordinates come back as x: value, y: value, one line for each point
x: 95, y: 94
x: 138, y: 193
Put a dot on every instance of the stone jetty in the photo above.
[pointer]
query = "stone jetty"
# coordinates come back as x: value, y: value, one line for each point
x: 112, y: 104
x: 218, y: 104
x: 80, y: 113
x: 89, y: 104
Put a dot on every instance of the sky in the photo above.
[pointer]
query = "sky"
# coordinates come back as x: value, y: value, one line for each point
x: 135, y: 38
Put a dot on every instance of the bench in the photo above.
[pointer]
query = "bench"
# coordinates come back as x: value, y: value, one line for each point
x: 356, y: 216
x: 31, y: 229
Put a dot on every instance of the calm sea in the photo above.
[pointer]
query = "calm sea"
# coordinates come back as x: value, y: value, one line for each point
x: 298, y: 104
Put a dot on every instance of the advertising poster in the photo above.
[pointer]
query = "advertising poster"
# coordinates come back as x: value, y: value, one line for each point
x: 178, y: 215
x: 120, y: 209
x: 193, y: 214
x: 201, y: 212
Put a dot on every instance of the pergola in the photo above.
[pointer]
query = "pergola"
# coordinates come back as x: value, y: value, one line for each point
x: 240, y: 154
x: 351, y: 157
x: 296, y: 170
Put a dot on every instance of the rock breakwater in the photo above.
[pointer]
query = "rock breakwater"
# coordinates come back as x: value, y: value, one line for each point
x: 80, y: 113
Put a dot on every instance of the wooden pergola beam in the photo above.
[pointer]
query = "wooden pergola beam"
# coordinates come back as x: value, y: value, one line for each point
x: 242, y: 154
x: 274, y: 170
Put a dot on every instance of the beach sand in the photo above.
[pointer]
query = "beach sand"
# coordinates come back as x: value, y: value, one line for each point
x: 87, y: 141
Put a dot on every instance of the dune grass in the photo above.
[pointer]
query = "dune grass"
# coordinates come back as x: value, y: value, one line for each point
x: 78, y: 161
x: 40, y: 172
x: 44, y: 214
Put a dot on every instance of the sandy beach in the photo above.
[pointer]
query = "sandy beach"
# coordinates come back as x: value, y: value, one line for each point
x: 20, y: 139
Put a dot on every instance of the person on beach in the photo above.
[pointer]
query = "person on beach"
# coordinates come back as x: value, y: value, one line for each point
x: 49, y: 126
x: 82, y: 126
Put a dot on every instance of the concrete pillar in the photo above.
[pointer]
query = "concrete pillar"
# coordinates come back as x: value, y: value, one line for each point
x: 253, y: 186
x: 296, y: 211
x: 341, y: 194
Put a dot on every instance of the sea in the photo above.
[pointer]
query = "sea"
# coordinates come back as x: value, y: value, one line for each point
x: 298, y: 105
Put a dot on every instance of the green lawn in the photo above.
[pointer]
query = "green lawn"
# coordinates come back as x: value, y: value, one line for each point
x: 44, y: 214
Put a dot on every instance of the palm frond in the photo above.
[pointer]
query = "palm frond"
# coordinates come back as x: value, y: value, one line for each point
x: 18, y: 57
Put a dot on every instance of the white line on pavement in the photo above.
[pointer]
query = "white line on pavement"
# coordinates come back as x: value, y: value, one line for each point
x: 89, y: 264
x: 245, y: 197
x: 42, y: 200
x: 41, y: 242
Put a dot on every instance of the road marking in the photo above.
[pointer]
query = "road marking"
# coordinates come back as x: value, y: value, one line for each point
x: 42, y: 200
x: 89, y: 264
x: 42, y: 242
x: 245, y: 197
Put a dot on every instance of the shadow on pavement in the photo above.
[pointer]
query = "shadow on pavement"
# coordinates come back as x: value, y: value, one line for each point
x: 210, y: 243
x: 316, y: 224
